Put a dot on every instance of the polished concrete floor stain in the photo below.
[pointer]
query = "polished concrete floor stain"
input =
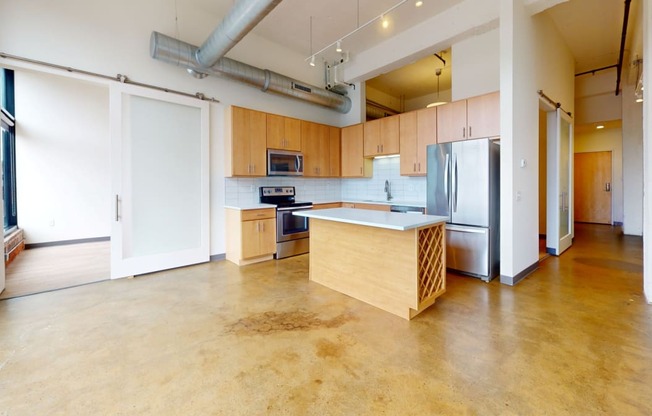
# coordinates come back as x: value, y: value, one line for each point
x: 573, y: 338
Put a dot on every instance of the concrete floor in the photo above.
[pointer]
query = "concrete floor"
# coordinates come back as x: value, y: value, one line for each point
x: 573, y: 338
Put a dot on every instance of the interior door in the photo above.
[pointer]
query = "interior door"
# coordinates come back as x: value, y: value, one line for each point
x: 159, y: 180
x: 593, y: 187
x: 559, y: 231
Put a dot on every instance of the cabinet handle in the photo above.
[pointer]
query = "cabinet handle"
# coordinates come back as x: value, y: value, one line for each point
x: 414, y: 169
x: 463, y: 132
x: 419, y: 166
x: 257, y: 227
x: 470, y: 134
x: 360, y: 170
x: 382, y: 148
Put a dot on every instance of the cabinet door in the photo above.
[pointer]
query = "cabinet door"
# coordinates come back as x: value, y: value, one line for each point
x: 389, y: 135
x: 426, y: 135
x: 267, y: 236
x: 334, y: 151
x: 408, y: 142
x: 248, y: 142
x: 258, y: 237
x: 354, y: 165
x: 311, y: 144
x: 483, y: 116
x: 371, y: 138
x: 451, y: 122
x: 283, y: 133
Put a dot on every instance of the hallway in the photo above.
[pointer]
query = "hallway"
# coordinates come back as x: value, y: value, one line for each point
x: 574, y: 337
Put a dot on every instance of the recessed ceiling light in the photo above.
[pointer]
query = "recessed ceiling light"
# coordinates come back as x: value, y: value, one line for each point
x: 599, y: 126
x: 418, y: 3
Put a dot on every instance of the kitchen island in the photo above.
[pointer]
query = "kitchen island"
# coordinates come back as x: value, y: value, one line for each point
x: 394, y: 261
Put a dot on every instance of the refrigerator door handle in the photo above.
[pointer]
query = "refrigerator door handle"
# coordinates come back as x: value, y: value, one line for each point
x: 446, y: 171
x: 454, y: 184
x: 466, y: 229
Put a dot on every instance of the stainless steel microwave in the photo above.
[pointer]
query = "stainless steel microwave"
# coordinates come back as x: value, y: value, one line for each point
x: 284, y: 163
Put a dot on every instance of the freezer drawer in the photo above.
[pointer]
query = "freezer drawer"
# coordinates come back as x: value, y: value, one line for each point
x: 467, y: 250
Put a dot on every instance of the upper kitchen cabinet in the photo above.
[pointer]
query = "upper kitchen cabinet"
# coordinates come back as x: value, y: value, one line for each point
x: 451, y: 121
x: 474, y: 118
x: 246, y: 144
x: 283, y: 133
x: 334, y: 155
x: 381, y: 137
x: 354, y: 164
x: 483, y: 115
x: 318, y: 141
x: 418, y: 129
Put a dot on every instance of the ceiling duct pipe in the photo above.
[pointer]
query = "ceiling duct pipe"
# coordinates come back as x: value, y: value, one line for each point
x: 179, y: 53
x: 239, y: 21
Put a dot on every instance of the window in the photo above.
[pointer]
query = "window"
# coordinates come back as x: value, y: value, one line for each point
x: 8, y: 149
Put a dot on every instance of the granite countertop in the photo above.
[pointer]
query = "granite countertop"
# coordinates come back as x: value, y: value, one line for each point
x: 379, y: 219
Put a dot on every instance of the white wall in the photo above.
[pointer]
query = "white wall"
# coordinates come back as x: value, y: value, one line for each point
x: 476, y: 69
x: 647, y: 152
x: 62, y: 158
x: 607, y: 139
x: 113, y: 37
x: 596, y: 99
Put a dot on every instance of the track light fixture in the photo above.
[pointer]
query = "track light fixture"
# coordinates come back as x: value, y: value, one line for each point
x: 312, y: 61
x: 338, y: 43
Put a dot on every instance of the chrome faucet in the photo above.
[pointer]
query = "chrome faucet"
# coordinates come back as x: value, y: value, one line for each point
x: 388, y: 190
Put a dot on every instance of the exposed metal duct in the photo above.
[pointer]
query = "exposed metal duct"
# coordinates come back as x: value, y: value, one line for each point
x: 173, y: 51
x: 242, y: 17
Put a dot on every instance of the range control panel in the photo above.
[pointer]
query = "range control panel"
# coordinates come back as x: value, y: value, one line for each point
x: 277, y: 191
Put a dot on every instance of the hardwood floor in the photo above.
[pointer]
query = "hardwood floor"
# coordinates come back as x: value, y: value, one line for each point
x: 50, y: 268
x: 572, y: 338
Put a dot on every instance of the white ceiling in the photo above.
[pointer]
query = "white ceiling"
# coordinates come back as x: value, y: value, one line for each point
x: 591, y: 28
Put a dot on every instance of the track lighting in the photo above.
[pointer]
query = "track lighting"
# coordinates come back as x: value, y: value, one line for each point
x: 312, y: 61
x: 385, y: 22
x: 338, y: 48
x: 418, y: 4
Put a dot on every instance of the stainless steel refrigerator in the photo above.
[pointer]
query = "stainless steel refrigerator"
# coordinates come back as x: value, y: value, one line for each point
x: 463, y: 184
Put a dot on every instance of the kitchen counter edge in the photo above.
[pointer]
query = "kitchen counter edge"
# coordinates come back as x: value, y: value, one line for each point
x: 378, y: 219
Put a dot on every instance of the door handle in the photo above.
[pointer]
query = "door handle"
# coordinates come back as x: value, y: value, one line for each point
x: 454, y: 183
x: 607, y: 187
x: 117, y: 208
x: 446, y: 175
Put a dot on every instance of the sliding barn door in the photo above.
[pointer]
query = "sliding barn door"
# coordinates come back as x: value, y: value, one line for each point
x: 559, y: 234
x: 160, y: 179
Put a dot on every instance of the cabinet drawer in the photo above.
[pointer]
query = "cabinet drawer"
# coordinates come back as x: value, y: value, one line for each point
x: 257, y: 214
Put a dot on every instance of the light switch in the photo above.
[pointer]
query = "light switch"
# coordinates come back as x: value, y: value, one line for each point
x: 523, y: 163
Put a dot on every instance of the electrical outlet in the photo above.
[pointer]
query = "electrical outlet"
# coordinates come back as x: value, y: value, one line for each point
x: 518, y: 195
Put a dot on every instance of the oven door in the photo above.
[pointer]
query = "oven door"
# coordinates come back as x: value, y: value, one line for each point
x: 290, y: 227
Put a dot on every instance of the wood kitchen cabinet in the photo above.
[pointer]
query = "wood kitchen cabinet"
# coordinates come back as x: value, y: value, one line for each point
x: 246, y: 146
x: 483, y: 115
x: 418, y: 129
x: 334, y: 152
x: 251, y: 235
x: 354, y: 164
x: 473, y: 118
x: 321, y: 150
x: 283, y: 133
x: 381, y: 137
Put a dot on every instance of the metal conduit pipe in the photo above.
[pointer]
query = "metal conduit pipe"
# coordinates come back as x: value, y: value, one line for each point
x: 179, y: 53
x: 239, y: 21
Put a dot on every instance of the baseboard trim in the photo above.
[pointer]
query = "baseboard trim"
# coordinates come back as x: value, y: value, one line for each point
x: 67, y: 242
x: 618, y: 223
x: 218, y: 257
x: 511, y: 281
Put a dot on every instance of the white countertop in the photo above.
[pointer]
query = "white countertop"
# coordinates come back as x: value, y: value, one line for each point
x: 419, y: 204
x: 244, y: 207
x: 371, y: 218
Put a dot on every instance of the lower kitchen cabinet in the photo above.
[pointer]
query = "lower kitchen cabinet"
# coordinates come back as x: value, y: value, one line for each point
x: 250, y: 235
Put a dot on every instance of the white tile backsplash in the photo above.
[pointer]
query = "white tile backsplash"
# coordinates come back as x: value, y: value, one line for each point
x: 404, y: 188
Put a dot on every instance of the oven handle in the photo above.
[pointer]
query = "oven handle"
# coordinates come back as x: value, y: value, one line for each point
x: 294, y: 208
